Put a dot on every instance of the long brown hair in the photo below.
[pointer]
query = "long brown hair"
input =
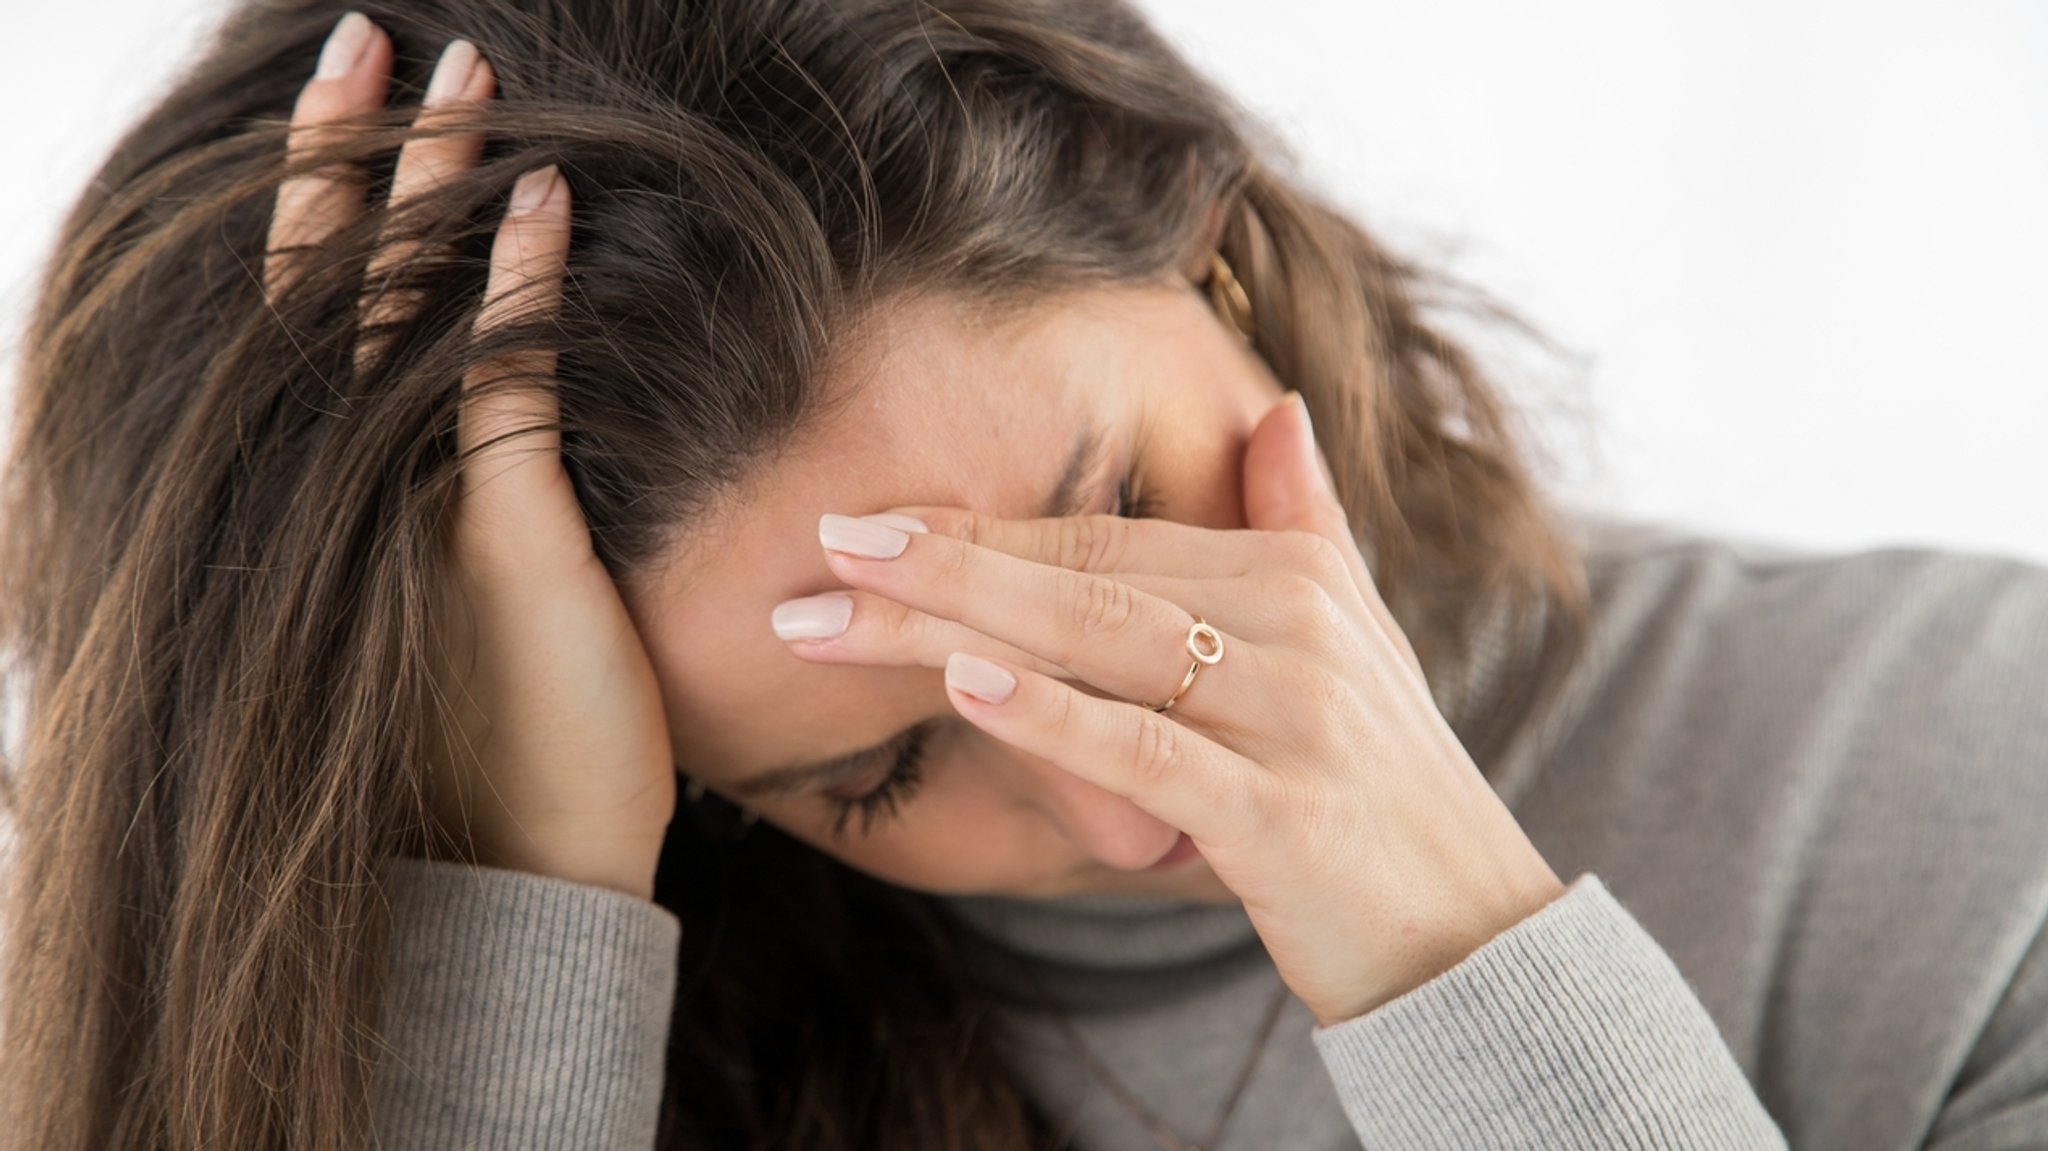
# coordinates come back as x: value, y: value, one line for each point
x: 220, y: 529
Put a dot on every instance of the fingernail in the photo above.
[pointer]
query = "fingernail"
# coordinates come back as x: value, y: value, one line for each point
x: 813, y: 617
x: 451, y: 74
x: 344, y: 47
x: 534, y: 189
x: 985, y: 681
x: 899, y: 520
x: 861, y: 537
x: 1308, y: 443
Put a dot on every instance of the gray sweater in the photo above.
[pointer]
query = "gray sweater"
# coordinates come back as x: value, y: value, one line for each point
x: 1801, y: 802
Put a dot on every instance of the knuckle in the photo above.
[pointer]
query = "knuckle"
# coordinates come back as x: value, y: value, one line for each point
x: 951, y: 564
x: 1061, y: 718
x: 1304, y: 609
x: 967, y: 527
x: 1085, y: 543
x: 1322, y: 691
x: 1102, y: 604
x: 1314, y: 552
x: 1154, y: 752
x: 1298, y: 594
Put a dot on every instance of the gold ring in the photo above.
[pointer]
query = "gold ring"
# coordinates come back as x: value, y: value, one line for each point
x: 1199, y: 635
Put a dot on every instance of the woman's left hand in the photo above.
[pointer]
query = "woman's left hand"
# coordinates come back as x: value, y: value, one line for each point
x: 1310, y: 765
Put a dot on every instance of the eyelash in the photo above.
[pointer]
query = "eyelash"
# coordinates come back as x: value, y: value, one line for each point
x: 1132, y: 504
x: 881, y: 804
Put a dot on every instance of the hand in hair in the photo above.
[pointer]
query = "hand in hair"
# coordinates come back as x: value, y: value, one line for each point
x: 556, y: 759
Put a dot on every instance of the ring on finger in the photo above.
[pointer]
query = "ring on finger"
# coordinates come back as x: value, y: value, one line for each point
x: 1205, y: 645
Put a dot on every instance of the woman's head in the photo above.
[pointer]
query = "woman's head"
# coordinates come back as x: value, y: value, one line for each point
x: 1133, y: 388
x: 829, y: 256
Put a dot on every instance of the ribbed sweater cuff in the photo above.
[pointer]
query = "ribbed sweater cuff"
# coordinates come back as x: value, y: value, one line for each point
x: 1572, y: 1029
x: 522, y: 1012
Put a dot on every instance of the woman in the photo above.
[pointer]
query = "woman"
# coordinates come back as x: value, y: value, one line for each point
x: 759, y: 575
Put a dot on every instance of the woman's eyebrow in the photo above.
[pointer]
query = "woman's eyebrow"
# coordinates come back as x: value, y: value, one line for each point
x: 1067, y: 498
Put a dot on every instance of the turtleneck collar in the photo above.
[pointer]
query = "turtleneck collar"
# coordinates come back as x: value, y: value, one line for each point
x: 1106, y: 931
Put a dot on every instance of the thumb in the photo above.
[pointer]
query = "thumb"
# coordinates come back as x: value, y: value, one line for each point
x: 1286, y: 484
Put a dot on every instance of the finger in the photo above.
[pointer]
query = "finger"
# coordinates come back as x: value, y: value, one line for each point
x: 506, y: 432
x: 1171, y: 770
x: 1103, y: 629
x: 1115, y: 545
x: 1289, y: 486
x: 462, y: 79
x: 1289, y: 489
x: 1104, y: 543
x: 864, y: 628
x: 349, y: 81
x: 855, y: 627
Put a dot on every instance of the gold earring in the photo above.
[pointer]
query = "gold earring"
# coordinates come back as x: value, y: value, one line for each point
x: 1228, y: 297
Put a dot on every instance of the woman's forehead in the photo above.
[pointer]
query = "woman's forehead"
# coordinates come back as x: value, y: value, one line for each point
x: 930, y: 403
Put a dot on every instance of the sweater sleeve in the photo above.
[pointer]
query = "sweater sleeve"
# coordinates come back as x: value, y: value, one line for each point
x: 522, y: 1011
x: 1998, y: 1101
x: 1571, y: 1029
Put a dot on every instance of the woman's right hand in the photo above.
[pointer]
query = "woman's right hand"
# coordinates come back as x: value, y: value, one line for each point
x: 560, y: 763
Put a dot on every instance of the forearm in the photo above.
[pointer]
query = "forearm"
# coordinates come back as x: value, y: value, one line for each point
x: 1570, y: 1029
x: 522, y: 1012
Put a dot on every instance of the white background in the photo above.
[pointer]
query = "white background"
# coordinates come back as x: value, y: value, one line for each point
x: 1800, y: 245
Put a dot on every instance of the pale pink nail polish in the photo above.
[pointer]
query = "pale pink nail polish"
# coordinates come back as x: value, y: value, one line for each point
x: 813, y: 617
x: 1314, y: 462
x: 533, y: 190
x: 899, y: 520
x: 861, y: 537
x: 344, y: 47
x: 985, y: 681
x: 451, y: 74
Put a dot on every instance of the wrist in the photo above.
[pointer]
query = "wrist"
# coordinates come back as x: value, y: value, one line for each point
x: 634, y: 879
x: 1453, y: 948
x: 619, y: 864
